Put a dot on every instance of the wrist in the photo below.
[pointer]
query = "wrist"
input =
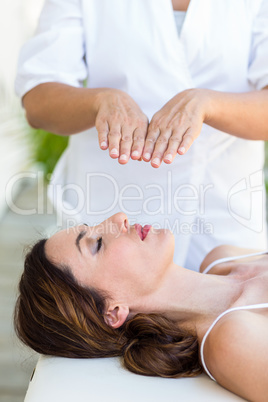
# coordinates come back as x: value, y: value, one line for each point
x: 101, y: 94
x: 204, y: 101
x: 96, y: 98
x: 209, y: 104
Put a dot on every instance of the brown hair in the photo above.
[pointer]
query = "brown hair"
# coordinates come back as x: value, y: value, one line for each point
x: 54, y: 315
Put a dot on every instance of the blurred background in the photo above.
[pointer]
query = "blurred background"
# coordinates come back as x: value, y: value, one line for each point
x: 27, y: 158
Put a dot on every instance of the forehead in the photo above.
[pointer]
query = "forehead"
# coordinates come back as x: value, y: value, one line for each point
x: 61, y: 243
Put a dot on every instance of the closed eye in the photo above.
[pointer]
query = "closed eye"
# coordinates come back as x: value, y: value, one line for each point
x: 99, y: 243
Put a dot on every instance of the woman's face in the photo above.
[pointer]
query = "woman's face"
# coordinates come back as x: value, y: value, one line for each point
x: 114, y: 257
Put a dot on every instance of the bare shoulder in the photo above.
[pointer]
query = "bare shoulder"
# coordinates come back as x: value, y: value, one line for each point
x: 236, y: 354
x: 222, y: 252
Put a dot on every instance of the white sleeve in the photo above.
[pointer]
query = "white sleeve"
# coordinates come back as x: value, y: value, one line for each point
x: 56, y: 52
x: 258, y: 67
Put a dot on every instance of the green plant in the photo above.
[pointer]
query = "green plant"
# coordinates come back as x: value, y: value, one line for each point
x: 47, y: 148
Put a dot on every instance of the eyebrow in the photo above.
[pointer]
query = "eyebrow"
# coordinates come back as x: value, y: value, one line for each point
x: 79, y: 238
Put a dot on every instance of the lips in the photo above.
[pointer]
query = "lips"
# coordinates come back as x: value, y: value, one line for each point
x: 146, y: 230
x: 142, y: 231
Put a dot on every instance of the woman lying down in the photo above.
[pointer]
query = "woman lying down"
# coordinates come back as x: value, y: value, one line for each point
x: 114, y: 290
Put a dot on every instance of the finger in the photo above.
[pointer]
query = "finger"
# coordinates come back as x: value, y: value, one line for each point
x: 114, y: 137
x: 103, y: 130
x: 173, y: 144
x: 152, y: 135
x: 187, y: 140
x: 125, y: 144
x: 160, y: 147
x: 138, y: 142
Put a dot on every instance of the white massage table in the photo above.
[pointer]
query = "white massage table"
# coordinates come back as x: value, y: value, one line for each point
x: 105, y: 380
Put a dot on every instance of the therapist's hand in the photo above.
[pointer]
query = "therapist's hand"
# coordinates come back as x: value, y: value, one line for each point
x: 174, y: 128
x: 121, y: 125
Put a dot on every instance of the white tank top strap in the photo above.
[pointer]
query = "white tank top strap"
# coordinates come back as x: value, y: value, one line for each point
x: 249, y: 307
x: 226, y: 259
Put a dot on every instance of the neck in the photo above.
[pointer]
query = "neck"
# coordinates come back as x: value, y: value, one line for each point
x: 180, y: 5
x: 192, y: 298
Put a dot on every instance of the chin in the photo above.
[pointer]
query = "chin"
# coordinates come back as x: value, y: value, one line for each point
x: 168, y: 233
x: 167, y: 240
x: 162, y: 239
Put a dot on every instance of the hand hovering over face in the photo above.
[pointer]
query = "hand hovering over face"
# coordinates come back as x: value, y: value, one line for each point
x: 174, y: 128
x: 121, y: 125
x: 66, y: 110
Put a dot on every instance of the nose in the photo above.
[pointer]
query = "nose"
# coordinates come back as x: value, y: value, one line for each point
x: 121, y: 221
x: 115, y: 225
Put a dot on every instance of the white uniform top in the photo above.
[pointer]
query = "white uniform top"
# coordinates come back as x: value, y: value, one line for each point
x: 249, y: 307
x: 212, y: 195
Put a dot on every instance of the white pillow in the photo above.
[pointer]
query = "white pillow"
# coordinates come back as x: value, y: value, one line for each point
x: 105, y: 380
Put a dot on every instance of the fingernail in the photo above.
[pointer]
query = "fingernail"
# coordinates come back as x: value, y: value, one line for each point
x: 114, y: 151
x: 182, y: 150
x: 147, y: 155
x: 135, y: 153
x: 168, y: 158
x: 156, y: 161
x: 123, y: 158
x: 103, y: 144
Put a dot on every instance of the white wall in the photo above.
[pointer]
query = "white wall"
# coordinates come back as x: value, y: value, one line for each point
x: 18, y: 19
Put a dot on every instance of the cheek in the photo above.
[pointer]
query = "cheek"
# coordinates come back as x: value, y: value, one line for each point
x: 130, y: 266
x: 115, y: 263
x: 132, y: 259
x: 123, y: 259
x: 125, y: 265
